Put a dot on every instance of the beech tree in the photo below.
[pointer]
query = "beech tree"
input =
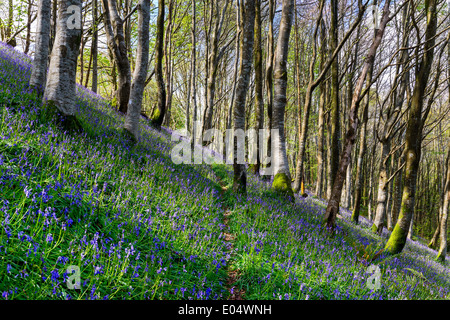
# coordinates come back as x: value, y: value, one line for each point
x: 40, y: 61
x: 140, y: 72
x: 60, y: 89
x: 245, y: 65
x: 282, y: 175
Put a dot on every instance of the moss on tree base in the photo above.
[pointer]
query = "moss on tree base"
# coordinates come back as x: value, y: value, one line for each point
x: 282, y: 185
x: 396, y: 241
x: 50, y: 112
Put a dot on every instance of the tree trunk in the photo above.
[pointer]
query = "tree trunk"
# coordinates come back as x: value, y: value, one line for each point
x: 60, y: 90
x: 193, y: 75
x: 413, y: 138
x: 116, y: 43
x: 445, y: 207
x: 39, y: 68
x: 245, y: 66
x: 158, y: 117
x: 269, y: 77
x: 259, y: 102
x: 335, y: 123
x: 95, y: 47
x: 282, y: 179
x: 380, y: 211
x: 140, y: 72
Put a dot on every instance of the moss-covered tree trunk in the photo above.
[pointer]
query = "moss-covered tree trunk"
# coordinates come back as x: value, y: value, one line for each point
x: 334, y: 114
x: 413, y: 138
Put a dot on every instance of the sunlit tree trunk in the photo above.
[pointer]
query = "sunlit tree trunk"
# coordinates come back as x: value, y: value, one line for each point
x: 282, y: 179
x: 140, y: 72
x: 60, y: 89
x: 40, y: 62
x: 245, y: 66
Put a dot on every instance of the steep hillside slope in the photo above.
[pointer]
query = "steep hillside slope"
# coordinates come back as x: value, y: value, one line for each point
x: 141, y: 227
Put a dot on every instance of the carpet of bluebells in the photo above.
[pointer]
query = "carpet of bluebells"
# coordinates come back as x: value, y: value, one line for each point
x: 141, y: 227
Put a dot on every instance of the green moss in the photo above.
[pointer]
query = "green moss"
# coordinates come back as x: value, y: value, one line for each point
x: 156, y: 115
x: 374, y: 228
x: 114, y: 103
x: 50, y: 112
x: 355, y: 217
x: 282, y: 185
x: 397, y: 240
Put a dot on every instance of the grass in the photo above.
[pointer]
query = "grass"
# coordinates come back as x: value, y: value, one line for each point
x: 141, y: 227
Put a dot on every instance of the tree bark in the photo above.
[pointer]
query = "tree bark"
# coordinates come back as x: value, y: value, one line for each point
x: 116, y: 43
x: 158, y: 117
x: 60, y: 90
x: 245, y: 66
x: 259, y: 102
x: 282, y: 179
x: 39, y: 66
x: 140, y: 72
x: 445, y: 208
x: 95, y: 47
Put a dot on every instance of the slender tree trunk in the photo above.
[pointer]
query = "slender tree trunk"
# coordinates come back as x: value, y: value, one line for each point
x: 380, y: 212
x: 116, y: 43
x: 39, y: 68
x: 413, y: 138
x: 95, y: 47
x: 10, y: 41
x: 194, y: 74
x: 321, y: 119
x: 53, y: 25
x: 158, y: 117
x: 245, y: 66
x: 335, y: 121
x: 269, y: 77
x: 445, y: 208
x: 140, y: 72
x: 29, y: 20
x: 259, y: 102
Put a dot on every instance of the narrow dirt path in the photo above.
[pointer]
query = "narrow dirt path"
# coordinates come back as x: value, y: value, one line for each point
x: 233, y: 275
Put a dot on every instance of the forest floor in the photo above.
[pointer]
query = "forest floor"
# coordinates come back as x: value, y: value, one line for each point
x: 139, y: 226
